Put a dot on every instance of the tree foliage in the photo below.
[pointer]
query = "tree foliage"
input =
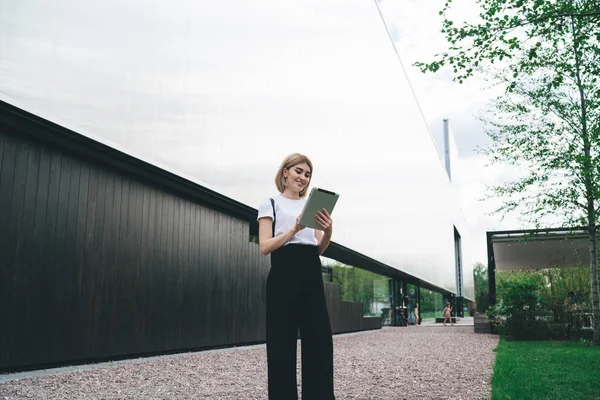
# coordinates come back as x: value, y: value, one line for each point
x: 546, y: 53
x: 482, y: 289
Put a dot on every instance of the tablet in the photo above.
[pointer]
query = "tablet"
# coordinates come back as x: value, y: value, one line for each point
x: 317, y: 200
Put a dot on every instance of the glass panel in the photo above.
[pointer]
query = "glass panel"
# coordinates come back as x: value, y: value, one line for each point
x: 432, y: 304
x: 365, y: 287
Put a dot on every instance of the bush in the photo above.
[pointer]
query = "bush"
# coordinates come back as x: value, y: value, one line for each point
x: 521, y: 312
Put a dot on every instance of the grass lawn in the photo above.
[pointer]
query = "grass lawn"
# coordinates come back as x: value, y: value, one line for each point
x: 546, y: 370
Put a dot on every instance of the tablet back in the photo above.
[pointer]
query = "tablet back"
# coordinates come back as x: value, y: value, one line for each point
x: 317, y: 200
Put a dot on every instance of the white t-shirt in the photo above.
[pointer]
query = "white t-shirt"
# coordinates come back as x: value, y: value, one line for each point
x: 287, y: 210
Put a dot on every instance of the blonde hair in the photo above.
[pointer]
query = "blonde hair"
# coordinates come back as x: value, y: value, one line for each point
x: 291, y: 161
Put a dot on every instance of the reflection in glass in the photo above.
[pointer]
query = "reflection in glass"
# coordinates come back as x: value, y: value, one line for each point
x: 432, y: 304
x: 361, y: 286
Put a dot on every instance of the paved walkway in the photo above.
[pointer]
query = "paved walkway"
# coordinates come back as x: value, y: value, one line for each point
x: 466, y: 321
x: 422, y: 362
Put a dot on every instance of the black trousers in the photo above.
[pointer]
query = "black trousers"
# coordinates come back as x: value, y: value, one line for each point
x: 296, y: 300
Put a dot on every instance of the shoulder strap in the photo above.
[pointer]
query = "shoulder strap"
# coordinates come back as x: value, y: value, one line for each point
x: 274, y: 215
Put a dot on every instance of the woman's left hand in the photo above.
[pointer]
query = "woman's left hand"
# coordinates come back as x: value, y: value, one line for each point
x: 324, y: 220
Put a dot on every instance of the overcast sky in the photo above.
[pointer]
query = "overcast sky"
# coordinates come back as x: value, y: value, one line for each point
x: 220, y: 92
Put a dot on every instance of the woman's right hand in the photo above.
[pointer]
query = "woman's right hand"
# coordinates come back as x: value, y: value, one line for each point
x: 297, y: 228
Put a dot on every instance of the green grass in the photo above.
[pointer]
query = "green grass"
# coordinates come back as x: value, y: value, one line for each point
x: 546, y: 371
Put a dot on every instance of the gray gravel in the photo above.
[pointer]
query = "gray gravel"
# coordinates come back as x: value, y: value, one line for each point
x: 394, y: 363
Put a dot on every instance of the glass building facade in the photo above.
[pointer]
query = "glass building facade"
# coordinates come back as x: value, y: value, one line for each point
x: 220, y: 92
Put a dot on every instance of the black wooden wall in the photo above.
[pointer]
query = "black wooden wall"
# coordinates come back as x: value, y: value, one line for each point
x: 95, y: 263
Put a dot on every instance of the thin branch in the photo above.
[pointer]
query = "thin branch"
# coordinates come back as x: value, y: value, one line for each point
x: 559, y: 200
x: 556, y: 16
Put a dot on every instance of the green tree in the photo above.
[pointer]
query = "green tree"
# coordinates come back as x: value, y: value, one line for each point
x: 548, y: 123
x: 482, y: 289
x: 521, y: 306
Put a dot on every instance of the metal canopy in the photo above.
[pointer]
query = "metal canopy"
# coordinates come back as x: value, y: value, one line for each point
x: 537, y: 250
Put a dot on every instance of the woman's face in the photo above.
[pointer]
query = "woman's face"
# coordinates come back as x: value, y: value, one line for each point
x: 297, y: 177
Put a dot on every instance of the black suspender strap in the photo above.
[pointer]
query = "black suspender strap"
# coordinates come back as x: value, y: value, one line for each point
x: 274, y: 215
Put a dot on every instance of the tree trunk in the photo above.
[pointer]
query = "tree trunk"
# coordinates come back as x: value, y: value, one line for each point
x: 594, y: 279
x: 589, y: 187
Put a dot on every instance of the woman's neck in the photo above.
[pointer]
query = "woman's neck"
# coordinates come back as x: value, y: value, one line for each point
x: 288, y: 194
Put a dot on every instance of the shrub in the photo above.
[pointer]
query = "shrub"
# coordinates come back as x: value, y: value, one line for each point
x: 521, y: 312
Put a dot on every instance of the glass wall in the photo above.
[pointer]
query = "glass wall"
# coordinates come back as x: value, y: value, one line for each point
x: 361, y: 286
x: 432, y: 304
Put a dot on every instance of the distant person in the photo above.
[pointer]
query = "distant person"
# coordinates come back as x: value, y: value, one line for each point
x: 417, y: 316
x: 295, y: 294
x: 448, y: 314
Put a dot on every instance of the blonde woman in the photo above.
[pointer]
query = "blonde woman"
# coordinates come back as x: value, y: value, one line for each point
x: 295, y: 296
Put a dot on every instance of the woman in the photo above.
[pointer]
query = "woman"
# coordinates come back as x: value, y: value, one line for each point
x: 295, y: 296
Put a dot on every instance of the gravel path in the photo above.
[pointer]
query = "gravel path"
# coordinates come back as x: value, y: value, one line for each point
x: 393, y: 363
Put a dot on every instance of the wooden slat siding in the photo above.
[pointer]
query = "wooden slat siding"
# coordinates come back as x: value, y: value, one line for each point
x: 209, y: 235
x: 179, y: 323
x: 187, y: 278
x: 204, y: 270
x: 23, y: 250
x: 168, y: 273
x: 244, y: 322
x: 238, y: 272
x: 96, y: 264
x: 8, y: 283
x: 229, y: 281
x: 106, y: 283
x: 128, y: 271
x: 193, y: 285
x: 50, y: 261
x: 220, y: 279
x: 158, y: 286
x: 117, y: 284
x: 2, y: 139
x: 164, y: 271
x: 199, y: 279
x: 226, y: 280
x: 197, y: 311
x: 89, y: 264
x: 147, y: 269
x: 31, y: 270
x: 60, y: 245
x: 96, y: 271
x: 138, y: 300
x: 71, y: 267
x: 4, y: 213
x: 120, y: 307
x: 6, y: 290
x: 79, y: 312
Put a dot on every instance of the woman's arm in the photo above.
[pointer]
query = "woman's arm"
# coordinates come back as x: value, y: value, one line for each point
x: 267, y: 242
x: 323, y: 241
x: 324, y: 237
